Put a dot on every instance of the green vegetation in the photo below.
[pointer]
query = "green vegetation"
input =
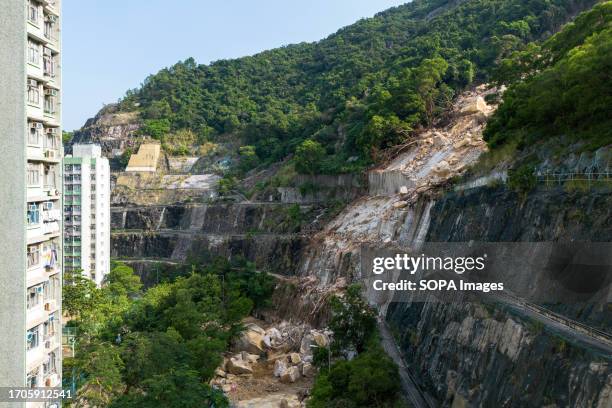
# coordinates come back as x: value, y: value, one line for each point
x: 159, y: 347
x: 371, y: 379
x: 352, y: 94
x: 124, y: 159
x: 522, y: 180
x: 567, y: 88
x: 66, y: 137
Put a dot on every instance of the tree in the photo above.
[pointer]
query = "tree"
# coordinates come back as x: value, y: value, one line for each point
x: 308, y: 157
x: 353, y: 321
x: 179, y: 388
x: 79, y: 294
x: 121, y: 281
x: 156, y: 128
x: 370, y: 380
x: 101, y: 365
x: 428, y: 76
x: 248, y: 158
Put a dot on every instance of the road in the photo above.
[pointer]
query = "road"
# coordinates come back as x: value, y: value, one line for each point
x: 411, y: 389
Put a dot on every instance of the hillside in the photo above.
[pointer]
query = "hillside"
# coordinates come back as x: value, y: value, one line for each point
x: 445, y: 119
x: 354, y: 93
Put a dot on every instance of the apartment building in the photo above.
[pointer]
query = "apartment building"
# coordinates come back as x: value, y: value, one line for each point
x: 87, y: 212
x: 30, y: 191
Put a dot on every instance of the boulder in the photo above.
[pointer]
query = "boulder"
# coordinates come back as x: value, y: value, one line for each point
x: 291, y: 375
x: 400, y: 204
x: 403, y: 190
x: 251, y: 358
x: 220, y: 373
x: 443, y: 169
x: 255, y: 328
x: 280, y: 366
x: 308, y: 370
x: 295, y: 358
x: 474, y: 105
x: 274, y: 334
x: 320, y: 339
x: 439, y: 139
x: 238, y: 367
x: 307, y: 341
x: 250, y: 341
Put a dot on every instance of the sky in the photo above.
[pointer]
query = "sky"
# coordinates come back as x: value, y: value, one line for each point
x: 111, y: 46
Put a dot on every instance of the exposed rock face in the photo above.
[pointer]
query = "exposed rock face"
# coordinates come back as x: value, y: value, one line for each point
x: 264, y: 233
x: 114, y: 131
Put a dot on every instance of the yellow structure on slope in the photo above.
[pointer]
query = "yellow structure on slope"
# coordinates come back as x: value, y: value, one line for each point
x: 146, y: 159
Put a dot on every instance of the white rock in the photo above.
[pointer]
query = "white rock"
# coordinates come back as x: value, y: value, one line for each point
x: 400, y: 204
x: 280, y: 366
x: 403, y: 190
x: 291, y: 375
x: 238, y: 367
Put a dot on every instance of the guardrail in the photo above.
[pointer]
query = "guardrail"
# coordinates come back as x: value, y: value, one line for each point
x: 600, y: 335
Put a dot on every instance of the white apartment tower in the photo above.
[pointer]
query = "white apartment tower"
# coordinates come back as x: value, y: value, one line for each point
x: 87, y: 212
x: 30, y: 195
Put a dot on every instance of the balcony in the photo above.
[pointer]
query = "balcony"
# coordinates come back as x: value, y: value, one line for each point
x: 35, y: 316
x: 35, y: 357
x: 36, y: 275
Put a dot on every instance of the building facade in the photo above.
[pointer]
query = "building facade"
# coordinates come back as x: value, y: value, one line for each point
x: 31, y: 194
x: 87, y: 212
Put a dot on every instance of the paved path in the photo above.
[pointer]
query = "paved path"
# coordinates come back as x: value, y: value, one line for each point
x: 411, y: 388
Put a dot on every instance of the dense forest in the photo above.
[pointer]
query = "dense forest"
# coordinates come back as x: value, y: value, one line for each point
x: 343, y: 99
x: 563, y: 87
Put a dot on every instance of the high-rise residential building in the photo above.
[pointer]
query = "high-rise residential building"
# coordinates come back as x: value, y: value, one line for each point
x: 30, y: 194
x: 87, y: 212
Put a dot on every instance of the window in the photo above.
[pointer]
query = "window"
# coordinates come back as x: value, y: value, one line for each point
x: 49, y: 27
x: 33, y: 214
x: 33, y: 92
x: 49, y: 65
x: 35, y: 294
x: 33, y: 53
x: 50, y: 177
x: 33, y: 13
x: 33, y: 256
x: 33, y: 338
x: 32, y: 378
x: 51, y: 141
x: 50, y: 103
x: 35, y: 132
x: 33, y: 175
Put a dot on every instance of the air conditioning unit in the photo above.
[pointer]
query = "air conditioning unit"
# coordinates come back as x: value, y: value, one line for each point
x: 47, y: 51
x: 33, y: 82
x: 51, y: 92
x: 52, y: 131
